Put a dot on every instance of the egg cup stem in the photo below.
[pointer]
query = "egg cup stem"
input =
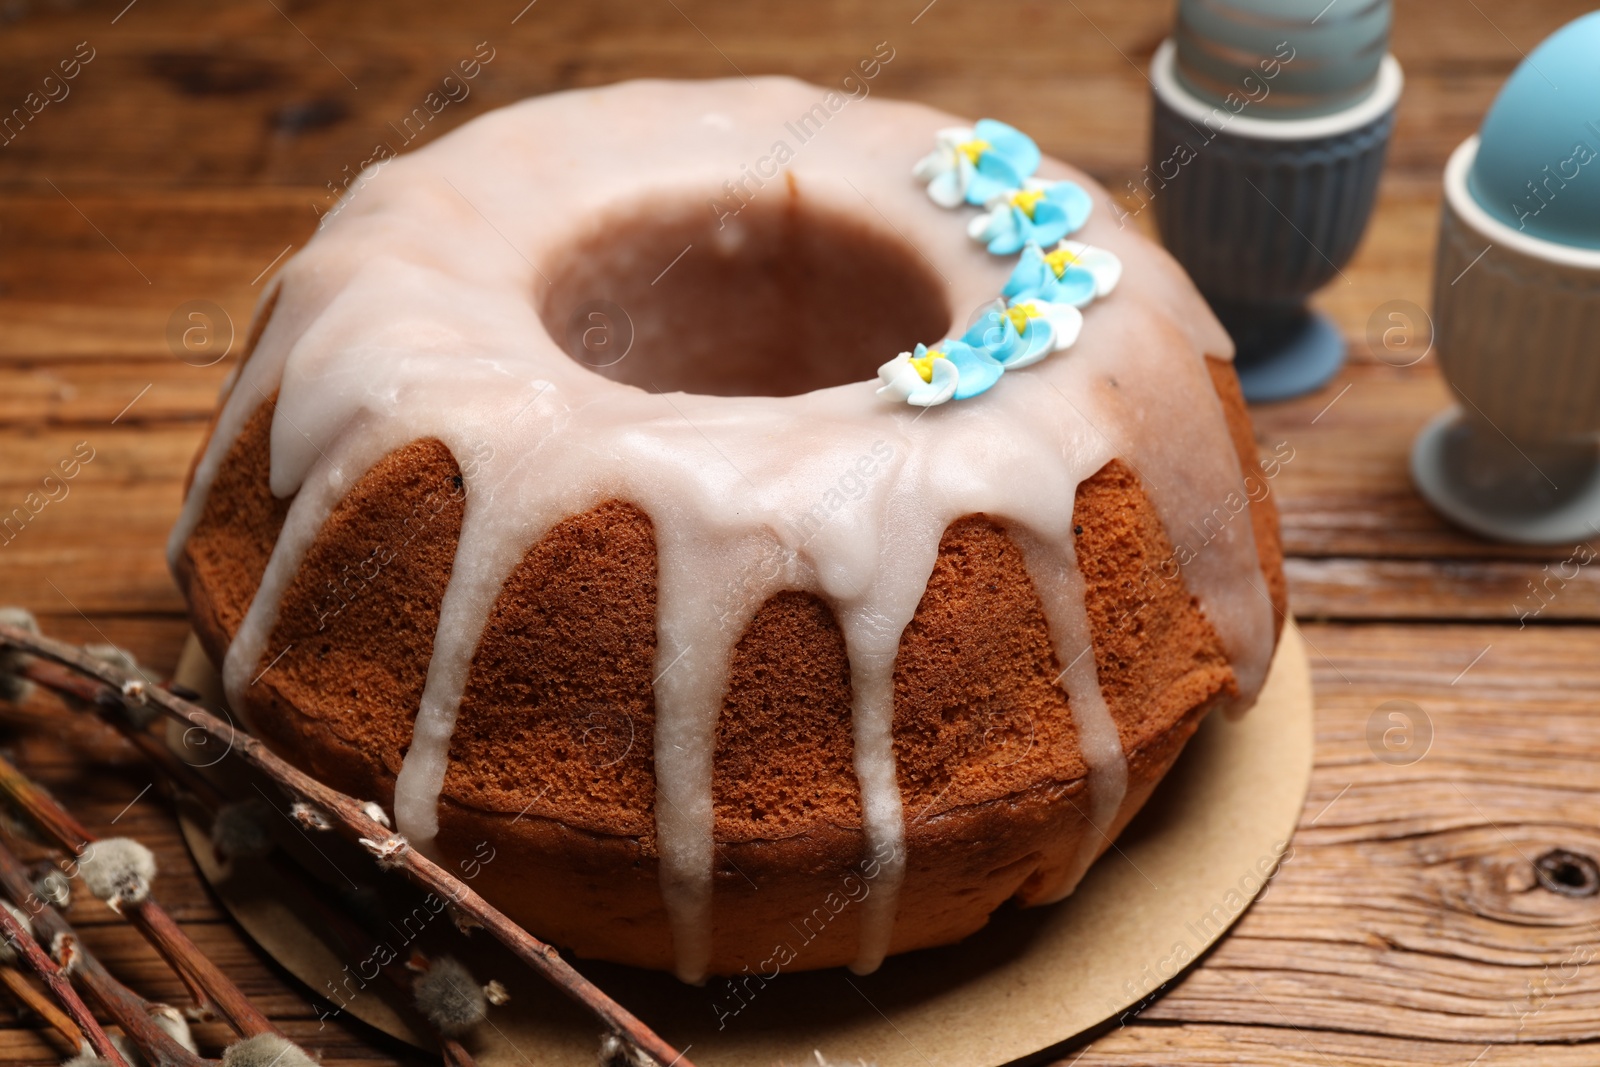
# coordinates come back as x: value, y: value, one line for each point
x: 1281, y: 352
x: 1508, y: 491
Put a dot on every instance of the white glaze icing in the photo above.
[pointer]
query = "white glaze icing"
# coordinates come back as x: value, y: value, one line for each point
x: 1053, y: 566
x: 415, y: 312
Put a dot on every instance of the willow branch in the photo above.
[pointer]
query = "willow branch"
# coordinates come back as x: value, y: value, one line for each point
x: 52, y: 975
x: 68, y: 685
x: 36, y: 999
x: 42, y: 712
x: 210, y: 987
x: 129, y: 1010
x: 350, y: 820
x: 64, y: 1021
x: 340, y: 924
x: 455, y: 1054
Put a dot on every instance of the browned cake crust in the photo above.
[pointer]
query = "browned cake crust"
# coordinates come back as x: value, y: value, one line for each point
x: 551, y: 764
x: 1258, y: 488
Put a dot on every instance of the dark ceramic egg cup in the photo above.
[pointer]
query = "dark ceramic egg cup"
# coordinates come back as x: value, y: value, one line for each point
x: 1263, y: 212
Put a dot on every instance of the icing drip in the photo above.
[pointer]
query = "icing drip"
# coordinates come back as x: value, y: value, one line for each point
x: 702, y: 609
x: 409, y: 317
x: 317, y: 498
x: 872, y: 616
x: 487, y: 552
x: 1060, y: 585
x: 872, y: 680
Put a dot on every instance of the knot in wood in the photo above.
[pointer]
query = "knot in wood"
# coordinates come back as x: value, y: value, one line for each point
x: 1572, y: 874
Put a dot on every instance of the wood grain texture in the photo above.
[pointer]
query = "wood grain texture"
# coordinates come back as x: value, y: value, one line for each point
x: 1411, y: 902
x: 199, y: 143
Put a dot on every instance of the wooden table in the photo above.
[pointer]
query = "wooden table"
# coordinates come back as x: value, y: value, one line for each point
x: 196, y: 146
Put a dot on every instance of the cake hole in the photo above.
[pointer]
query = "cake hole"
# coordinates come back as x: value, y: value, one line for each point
x: 783, y: 298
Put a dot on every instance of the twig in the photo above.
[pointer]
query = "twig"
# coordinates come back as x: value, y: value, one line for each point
x: 30, y: 995
x: 43, y: 713
x: 59, y: 986
x: 455, y: 1053
x: 70, y: 686
x: 352, y: 931
x: 346, y: 928
x: 129, y: 1010
x: 210, y: 987
x: 348, y: 818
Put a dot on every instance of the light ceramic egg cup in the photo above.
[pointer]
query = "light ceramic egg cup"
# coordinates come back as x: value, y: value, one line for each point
x: 1264, y: 212
x: 1517, y: 333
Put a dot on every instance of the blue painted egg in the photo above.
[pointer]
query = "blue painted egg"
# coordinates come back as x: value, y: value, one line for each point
x: 1538, y: 164
x: 1287, y: 58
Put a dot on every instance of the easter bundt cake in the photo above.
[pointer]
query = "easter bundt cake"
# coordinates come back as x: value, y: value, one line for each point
x: 556, y: 505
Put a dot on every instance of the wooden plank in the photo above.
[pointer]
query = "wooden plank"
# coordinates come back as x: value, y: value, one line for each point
x: 1409, y: 906
x: 187, y: 95
x: 1201, y: 1044
x: 97, y: 550
x: 103, y: 275
x: 1519, y: 593
x: 93, y: 392
x: 1347, y: 490
x: 93, y: 577
x: 122, y: 455
x: 91, y: 543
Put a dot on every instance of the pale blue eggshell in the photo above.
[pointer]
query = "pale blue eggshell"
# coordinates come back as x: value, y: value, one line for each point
x: 1538, y: 163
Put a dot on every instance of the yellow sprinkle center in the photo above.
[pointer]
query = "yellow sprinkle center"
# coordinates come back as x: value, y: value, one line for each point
x: 1060, y: 260
x: 923, y: 365
x: 1019, y: 314
x: 1027, y: 200
x: 972, y: 150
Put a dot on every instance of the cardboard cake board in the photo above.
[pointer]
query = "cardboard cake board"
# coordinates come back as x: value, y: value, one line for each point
x: 1179, y: 875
